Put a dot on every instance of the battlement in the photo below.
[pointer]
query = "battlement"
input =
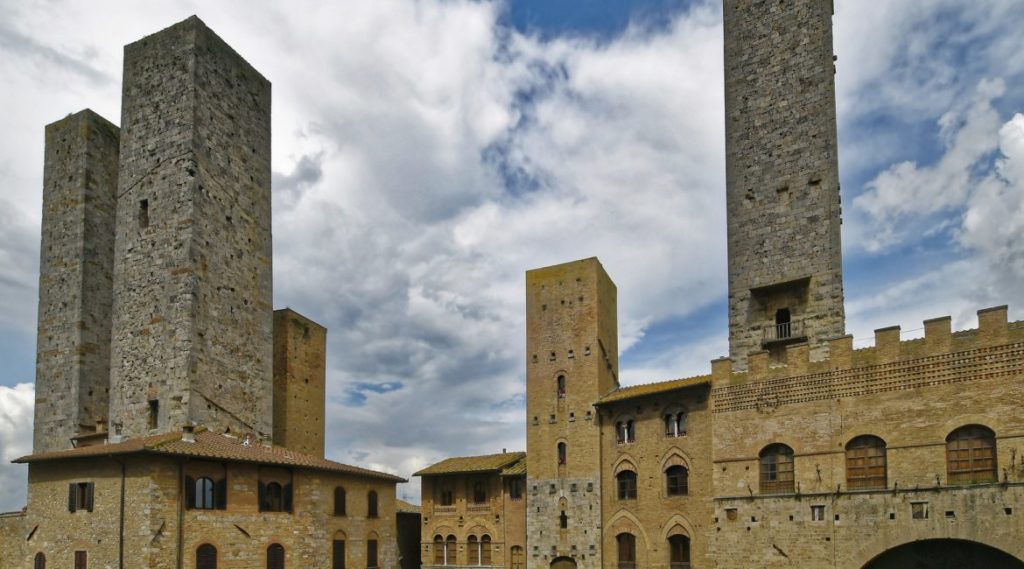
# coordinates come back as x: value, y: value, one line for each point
x: 993, y: 349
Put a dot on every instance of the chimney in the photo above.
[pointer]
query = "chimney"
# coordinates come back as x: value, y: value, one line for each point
x: 188, y: 433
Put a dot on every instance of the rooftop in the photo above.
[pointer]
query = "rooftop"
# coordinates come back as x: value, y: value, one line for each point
x: 632, y: 391
x: 212, y: 446
x: 483, y: 463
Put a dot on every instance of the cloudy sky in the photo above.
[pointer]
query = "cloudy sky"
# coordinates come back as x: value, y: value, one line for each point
x: 427, y: 153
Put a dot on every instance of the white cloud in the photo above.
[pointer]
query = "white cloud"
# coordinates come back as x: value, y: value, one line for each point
x: 16, y: 405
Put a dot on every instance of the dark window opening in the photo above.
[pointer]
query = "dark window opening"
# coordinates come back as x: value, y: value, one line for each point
x: 447, y: 496
x: 561, y: 387
x: 563, y: 520
x: 679, y: 552
x: 371, y: 553
x: 626, y: 482
x: 782, y: 324
x: 275, y: 556
x: 627, y: 550
x: 206, y: 557
x: 40, y: 561
x: 143, y: 214
x: 675, y: 424
x: 479, y: 492
x: 80, y: 496
x: 515, y: 488
x: 275, y: 497
x: 561, y: 454
x: 625, y: 432
x: 339, y: 501
x: 154, y: 413
x: 338, y: 554
x: 677, y: 478
x: 81, y: 560
x: 371, y: 507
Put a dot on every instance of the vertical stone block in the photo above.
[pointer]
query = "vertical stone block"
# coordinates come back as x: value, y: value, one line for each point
x: 993, y: 329
x: 757, y: 365
x: 798, y: 356
x: 300, y: 377
x: 572, y: 360
x: 192, y: 319
x: 938, y: 336
x: 887, y: 344
x: 782, y: 177
x: 75, y: 271
x: 840, y: 352
x: 721, y: 371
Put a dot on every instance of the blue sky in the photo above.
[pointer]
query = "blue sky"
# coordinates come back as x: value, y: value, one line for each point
x: 427, y: 153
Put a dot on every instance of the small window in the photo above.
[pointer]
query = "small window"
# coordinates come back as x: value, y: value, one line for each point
x: 339, y: 501
x: 776, y: 469
x: 971, y: 455
x: 675, y: 424
x: 817, y: 513
x: 679, y: 552
x: 865, y: 463
x: 81, y: 560
x: 561, y: 387
x: 515, y: 488
x: 626, y: 543
x: 561, y: 454
x: 626, y: 482
x: 563, y: 520
x: 485, y: 550
x: 371, y: 553
x: 447, y: 494
x: 204, y: 494
x: 439, y: 551
x: 80, y: 496
x: 275, y: 497
x: 371, y: 507
x: 40, y: 561
x: 206, y: 557
x: 154, y: 413
x: 479, y: 492
x: 625, y: 432
x: 677, y: 480
x: 275, y: 556
x: 338, y: 554
x: 143, y: 214
x: 919, y: 510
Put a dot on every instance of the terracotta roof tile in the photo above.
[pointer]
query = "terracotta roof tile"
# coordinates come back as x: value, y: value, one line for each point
x: 212, y: 446
x: 632, y: 391
x: 484, y: 463
x: 406, y: 507
x: 517, y: 468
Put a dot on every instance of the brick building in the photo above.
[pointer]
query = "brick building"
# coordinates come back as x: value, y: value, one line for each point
x: 795, y: 450
x: 179, y: 419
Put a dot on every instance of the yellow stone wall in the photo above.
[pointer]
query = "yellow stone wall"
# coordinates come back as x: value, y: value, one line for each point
x: 300, y: 382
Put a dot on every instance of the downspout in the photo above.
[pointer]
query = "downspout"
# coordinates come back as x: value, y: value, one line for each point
x: 181, y: 512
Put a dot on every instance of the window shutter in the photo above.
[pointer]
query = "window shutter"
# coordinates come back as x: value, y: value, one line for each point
x: 72, y: 496
x: 88, y: 496
x: 275, y: 556
x: 220, y: 494
x: 262, y: 495
x: 190, y: 493
x: 288, y: 497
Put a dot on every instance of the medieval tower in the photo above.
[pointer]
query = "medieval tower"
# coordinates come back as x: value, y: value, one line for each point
x: 782, y: 178
x: 572, y: 359
x: 192, y: 316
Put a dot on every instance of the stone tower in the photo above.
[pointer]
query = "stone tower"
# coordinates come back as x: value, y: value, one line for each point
x: 782, y: 177
x: 76, y: 265
x: 300, y: 376
x: 572, y: 359
x: 192, y: 315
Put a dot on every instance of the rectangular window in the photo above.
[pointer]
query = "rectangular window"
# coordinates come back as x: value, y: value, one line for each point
x: 80, y: 496
x: 817, y: 513
x: 143, y: 214
x: 919, y: 510
x: 371, y: 553
x: 338, y: 554
x: 154, y: 413
x: 81, y: 560
x: 515, y: 488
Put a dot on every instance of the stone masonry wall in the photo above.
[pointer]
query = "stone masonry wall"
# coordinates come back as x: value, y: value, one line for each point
x: 75, y: 275
x: 192, y: 282
x: 571, y: 331
x: 782, y: 174
x: 300, y: 375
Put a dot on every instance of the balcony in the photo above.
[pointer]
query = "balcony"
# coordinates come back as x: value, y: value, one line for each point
x: 440, y: 510
x: 783, y: 333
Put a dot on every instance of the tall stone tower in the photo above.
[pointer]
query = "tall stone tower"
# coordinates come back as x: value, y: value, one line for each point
x: 782, y: 177
x: 572, y: 359
x: 300, y: 380
x: 192, y: 315
x: 76, y: 266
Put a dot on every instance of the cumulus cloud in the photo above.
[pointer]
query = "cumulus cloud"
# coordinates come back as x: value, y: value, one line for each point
x: 16, y: 406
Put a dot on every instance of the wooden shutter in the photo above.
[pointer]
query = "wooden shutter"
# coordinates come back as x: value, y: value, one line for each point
x: 81, y: 560
x: 275, y: 556
x: 72, y: 496
x: 287, y: 499
x: 40, y: 561
x: 89, y: 486
x: 206, y: 557
x: 220, y: 494
x: 338, y: 554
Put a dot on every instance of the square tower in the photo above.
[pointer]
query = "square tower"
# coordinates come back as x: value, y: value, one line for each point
x: 300, y: 381
x: 192, y: 318
x: 76, y: 265
x: 782, y: 177
x: 572, y: 360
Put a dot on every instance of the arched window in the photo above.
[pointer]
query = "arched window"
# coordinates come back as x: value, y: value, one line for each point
x: 865, y: 463
x: 677, y: 480
x: 275, y: 556
x: 485, y: 549
x: 473, y: 550
x: 273, y: 498
x: 675, y: 424
x: 625, y: 431
x: 626, y: 481
x: 40, y: 561
x: 971, y: 455
x: 561, y: 453
x: 339, y: 501
x: 561, y: 387
x: 449, y: 550
x: 371, y: 504
x: 204, y: 494
x: 776, y: 469
x: 627, y: 550
x: 517, y: 557
x: 206, y: 557
x: 479, y: 492
x: 338, y: 551
x: 679, y: 552
x: 371, y: 553
x: 439, y: 550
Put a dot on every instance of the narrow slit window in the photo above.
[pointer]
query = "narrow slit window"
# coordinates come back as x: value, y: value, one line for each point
x: 143, y: 214
x: 154, y: 413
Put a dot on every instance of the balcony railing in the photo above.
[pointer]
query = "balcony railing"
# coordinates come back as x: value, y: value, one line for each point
x: 444, y: 509
x: 783, y: 332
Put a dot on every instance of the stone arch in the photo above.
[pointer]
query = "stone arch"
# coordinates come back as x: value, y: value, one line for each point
x: 874, y: 550
x: 674, y: 456
x: 340, y: 535
x: 953, y: 423
x: 624, y: 521
x: 563, y: 563
x: 624, y: 462
x: 677, y: 525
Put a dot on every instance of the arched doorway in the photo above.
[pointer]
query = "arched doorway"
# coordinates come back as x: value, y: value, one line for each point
x: 563, y: 563
x: 944, y: 554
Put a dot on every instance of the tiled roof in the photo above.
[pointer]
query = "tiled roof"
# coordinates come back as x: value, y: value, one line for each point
x: 406, y: 507
x: 485, y: 463
x: 517, y: 468
x: 652, y: 388
x: 212, y: 446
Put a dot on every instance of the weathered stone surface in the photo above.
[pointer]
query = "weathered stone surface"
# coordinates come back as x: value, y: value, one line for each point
x: 300, y: 375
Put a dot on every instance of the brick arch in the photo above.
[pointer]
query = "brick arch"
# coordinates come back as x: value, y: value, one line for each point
x: 675, y: 457
x: 677, y: 525
x: 625, y: 462
x: 624, y: 521
x: 443, y: 531
x: 953, y: 423
x: 340, y: 535
x: 877, y: 429
x: 873, y: 548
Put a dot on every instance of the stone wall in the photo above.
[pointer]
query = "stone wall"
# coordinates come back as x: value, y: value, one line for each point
x: 75, y: 273
x: 571, y: 331
x: 300, y: 375
x: 192, y: 320
x: 782, y: 174
x: 157, y: 531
